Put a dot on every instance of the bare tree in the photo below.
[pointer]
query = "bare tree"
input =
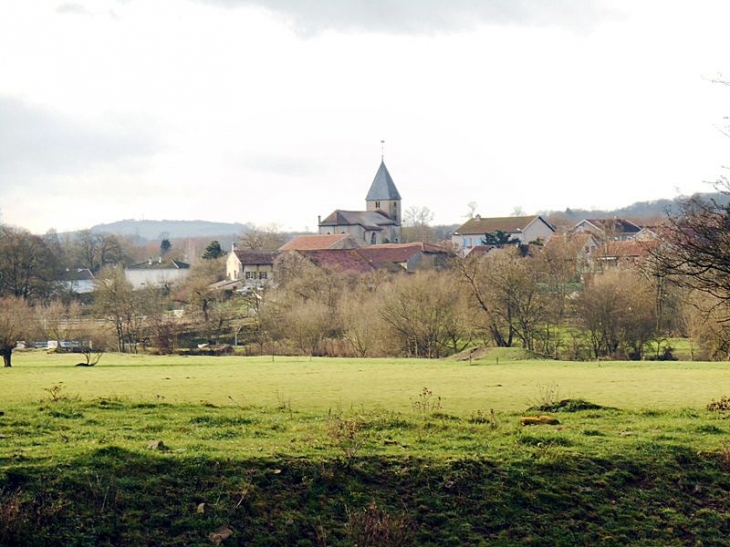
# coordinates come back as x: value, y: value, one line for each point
x: 471, y: 209
x: 58, y: 320
x: 362, y: 327
x: 17, y: 321
x: 261, y: 238
x: 617, y: 312
x: 117, y: 303
x: 417, y: 225
x: 697, y: 248
x: 26, y: 265
x: 95, y: 251
x: 422, y: 312
x: 212, y: 310
x: 505, y: 289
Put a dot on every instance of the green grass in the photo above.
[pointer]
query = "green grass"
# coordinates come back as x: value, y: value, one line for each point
x: 333, y: 452
x: 322, y: 384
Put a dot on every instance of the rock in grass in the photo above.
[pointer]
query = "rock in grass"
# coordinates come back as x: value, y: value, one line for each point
x: 158, y: 445
x: 220, y: 534
x: 539, y: 420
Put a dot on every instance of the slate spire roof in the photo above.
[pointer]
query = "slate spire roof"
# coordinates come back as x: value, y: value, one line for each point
x: 383, y: 188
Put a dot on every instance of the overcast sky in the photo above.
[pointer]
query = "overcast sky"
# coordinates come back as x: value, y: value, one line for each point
x: 273, y: 111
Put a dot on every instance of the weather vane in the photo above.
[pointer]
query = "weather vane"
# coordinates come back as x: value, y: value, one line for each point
x: 382, y: 150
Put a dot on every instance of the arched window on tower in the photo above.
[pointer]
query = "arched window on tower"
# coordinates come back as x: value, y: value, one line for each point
x: 373, y: 239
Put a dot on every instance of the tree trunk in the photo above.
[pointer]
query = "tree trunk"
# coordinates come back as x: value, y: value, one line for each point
x: 7, y: 353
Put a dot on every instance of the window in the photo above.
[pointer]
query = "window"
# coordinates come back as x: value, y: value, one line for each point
x: 249, y: 275
x: 377, y: 205
x: 373, y: 239
x: 263, y: 275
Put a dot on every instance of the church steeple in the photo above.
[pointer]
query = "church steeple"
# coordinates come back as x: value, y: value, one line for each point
x: 384, y: 198
x: 383, y: 188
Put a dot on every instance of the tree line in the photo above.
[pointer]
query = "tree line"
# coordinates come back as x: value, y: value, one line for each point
x: 544, y: 298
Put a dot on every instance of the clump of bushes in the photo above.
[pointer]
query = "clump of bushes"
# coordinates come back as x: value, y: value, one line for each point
x: 720, y: 405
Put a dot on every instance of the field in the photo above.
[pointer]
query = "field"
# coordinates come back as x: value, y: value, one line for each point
x: 144, y: 450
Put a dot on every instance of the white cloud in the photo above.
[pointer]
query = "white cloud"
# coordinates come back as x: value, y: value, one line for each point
x: 73, y: 9
x: 310, y: 17
x: 36, y: 141
x: 187, y: 110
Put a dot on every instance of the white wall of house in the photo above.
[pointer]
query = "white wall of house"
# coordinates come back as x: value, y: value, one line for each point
x: 141, y: 278
x: 234, y: 268
x: 537, y: 231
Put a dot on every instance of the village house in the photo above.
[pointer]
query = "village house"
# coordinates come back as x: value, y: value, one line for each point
x: 616, y: 229
x: 254, y: 268
x: 156, y: 273
x: 379, y: 223
x: 523, y: 230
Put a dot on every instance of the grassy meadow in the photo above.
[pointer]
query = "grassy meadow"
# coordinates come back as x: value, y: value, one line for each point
x: 145, y: 450
x: 495, y: 382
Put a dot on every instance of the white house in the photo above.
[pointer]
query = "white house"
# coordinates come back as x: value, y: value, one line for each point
x: 255, y: 268
x: 609, y: 229
x: 479, y: 231
x: 156, y: 273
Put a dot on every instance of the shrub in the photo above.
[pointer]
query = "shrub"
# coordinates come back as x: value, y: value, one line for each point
x: 720, y: 405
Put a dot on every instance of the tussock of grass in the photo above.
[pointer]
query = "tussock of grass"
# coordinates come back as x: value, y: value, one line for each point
x: 566, y: 405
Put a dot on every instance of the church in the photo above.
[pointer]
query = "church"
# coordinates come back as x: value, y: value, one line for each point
x: 379, y: 223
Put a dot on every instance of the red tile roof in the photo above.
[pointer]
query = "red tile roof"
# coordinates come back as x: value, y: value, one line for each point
x: 313, y: 242
x: 345, y: 259
x: 397, y: 253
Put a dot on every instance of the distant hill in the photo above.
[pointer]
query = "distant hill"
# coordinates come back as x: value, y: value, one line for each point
x: 155, y: 230
x: 646, y: 210
x: 225, y: 232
